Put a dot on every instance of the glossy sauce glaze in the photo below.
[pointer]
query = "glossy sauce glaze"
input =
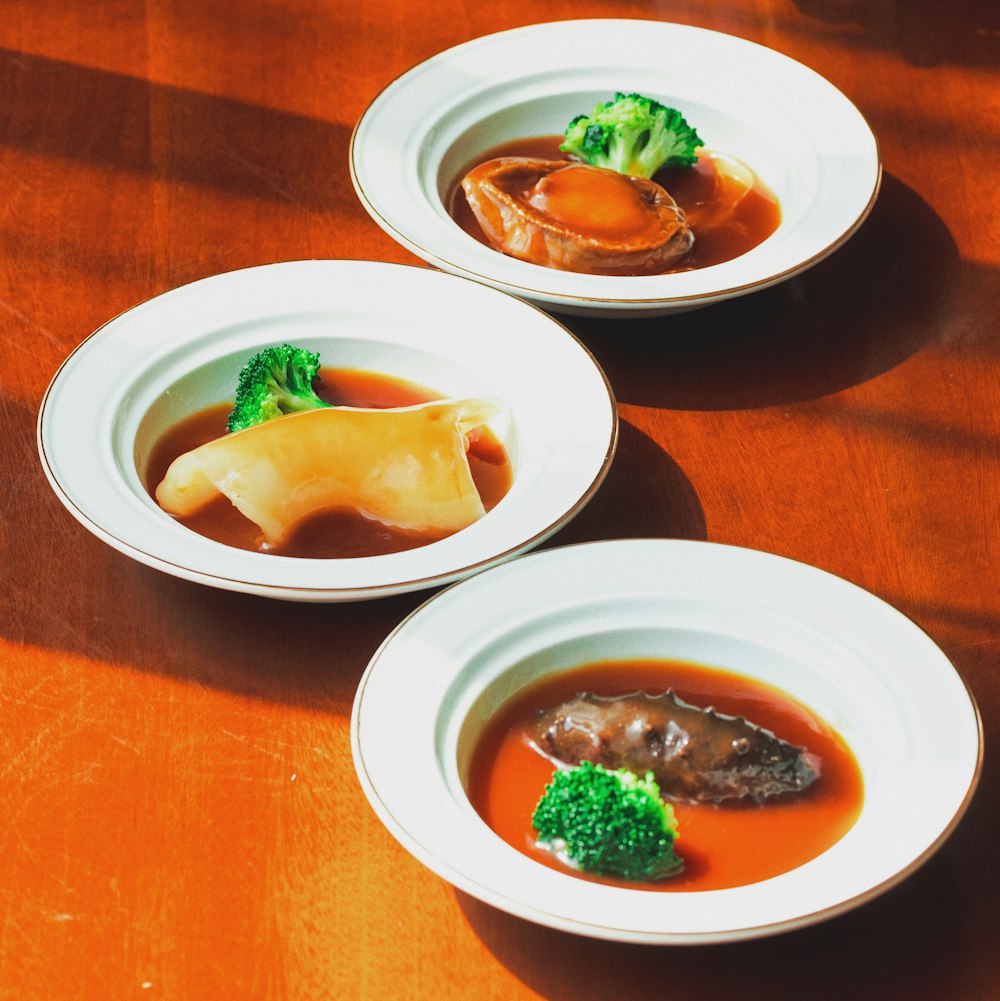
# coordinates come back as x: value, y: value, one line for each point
x: 337, y: 534
x: 726, y: 221
x: 723, y: 845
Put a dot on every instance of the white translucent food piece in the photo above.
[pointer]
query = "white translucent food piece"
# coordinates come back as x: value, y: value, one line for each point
x: 405, y: 467
x: 733, y: 182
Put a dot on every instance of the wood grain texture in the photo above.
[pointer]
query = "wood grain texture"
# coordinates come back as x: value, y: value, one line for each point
x: 179, y: 816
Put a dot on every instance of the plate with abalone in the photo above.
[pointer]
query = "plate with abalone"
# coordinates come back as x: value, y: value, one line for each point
x: 804, y: 143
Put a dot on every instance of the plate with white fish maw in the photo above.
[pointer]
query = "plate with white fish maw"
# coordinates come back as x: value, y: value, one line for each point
x: 327, y: 430
x: 665, y: 741
x: 720, y: 166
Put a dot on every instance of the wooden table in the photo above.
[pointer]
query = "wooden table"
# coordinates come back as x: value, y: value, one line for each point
x: 180, y: 816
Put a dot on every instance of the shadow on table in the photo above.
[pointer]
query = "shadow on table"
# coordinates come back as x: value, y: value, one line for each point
x: 174, y: 133
x: 864, y: 310
x: 923, y: 32
x: 909, y: 943
x: 645, y: 495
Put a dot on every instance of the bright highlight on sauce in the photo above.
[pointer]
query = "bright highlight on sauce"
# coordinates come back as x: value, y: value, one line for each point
x: 723, y: 845
x: 606, y: 201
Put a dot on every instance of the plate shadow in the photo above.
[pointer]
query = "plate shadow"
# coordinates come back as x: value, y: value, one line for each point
x: 834, y: 326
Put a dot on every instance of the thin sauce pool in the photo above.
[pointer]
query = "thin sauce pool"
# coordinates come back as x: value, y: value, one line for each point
x: 722, y: 231
x: 723, y: 845
x: 336, y: 534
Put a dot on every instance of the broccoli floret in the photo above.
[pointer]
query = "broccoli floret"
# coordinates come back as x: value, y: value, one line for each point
x: 275, y: 381
x: 610, y: 823
x: 632, y: 134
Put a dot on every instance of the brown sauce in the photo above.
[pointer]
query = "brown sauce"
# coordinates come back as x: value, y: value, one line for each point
x: 336, y: 534
x: 697, y: 190
x: 723, y: 845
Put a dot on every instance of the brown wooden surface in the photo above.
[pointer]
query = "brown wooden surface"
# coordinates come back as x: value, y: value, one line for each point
x: 179, y: 817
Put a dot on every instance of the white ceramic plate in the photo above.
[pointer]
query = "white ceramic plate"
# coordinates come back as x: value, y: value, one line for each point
x: 170, y: 357
x: 855, y: 661
x: 808, y: 143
